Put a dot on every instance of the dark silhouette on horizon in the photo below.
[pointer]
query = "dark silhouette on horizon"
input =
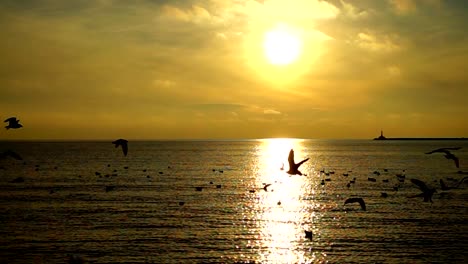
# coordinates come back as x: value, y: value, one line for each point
x: 293, y: 167
x: 426, y: 191
x: 123, y: 143
x: 356, y: 200
x: 448, y: 154
x: 12, y: 123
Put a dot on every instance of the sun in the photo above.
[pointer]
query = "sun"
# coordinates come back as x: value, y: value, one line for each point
x: 281, y: 46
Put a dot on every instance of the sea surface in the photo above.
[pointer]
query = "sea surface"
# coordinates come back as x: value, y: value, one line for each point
x: 87, y: 201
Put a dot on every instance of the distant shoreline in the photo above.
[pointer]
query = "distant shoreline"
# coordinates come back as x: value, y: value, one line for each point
x: 462, y: 138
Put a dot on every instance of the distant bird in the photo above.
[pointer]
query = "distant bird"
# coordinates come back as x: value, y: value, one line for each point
x: 265, y: 186
x: 461, y: 181
x: 282, y: 167
x: 426, y: 191
x: 448, y: 154
x: 10, y: 153
x: 444, y: 187
x: 356, y: 200
x: 293, y: 167
x: 12, y: 123
x: 123, y: 143
x: 308, y: 234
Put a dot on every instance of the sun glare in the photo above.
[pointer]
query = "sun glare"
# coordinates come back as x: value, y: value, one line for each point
x: 281, y: 46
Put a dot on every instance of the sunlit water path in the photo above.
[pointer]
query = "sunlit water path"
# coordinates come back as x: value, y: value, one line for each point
x: 78, y: 198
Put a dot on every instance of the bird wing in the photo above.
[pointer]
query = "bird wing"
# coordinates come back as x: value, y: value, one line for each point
x: 300, y: 163
x: 125, y: 148
x: 420, y: 184
x: 357, y: 200
x: 266, y: 186
x: 291, y: 160
x: 11, y: 119
x: 443, y: 150
x: 462, y: 180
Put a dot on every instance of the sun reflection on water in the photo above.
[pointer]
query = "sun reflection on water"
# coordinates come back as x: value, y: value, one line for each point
x: 283, y: 211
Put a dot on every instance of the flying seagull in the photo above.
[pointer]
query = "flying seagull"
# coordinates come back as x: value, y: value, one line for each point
x: 10, y: 153
x: 12, y: 123
x: 123, y: 143
x: 448, y: 154
x: 426, y: 191
x: 265, y: 187
x: 308, y: 234
x: 293, y: 167
x: 356, y: 200
x: 444, y: 187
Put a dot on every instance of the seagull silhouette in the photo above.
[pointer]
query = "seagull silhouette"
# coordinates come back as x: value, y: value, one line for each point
x: 308, y: 234
x: 265, y: 187
x: 444, y: 187
x: 426, y: 191
x: 10, y: 153
x: 356, y: 200
x: 12, y: 123
x: 293, y: 167
x: 448, y: 154
x: 123, y: 143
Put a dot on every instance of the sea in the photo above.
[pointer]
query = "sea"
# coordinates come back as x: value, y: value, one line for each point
x: 205, y: 201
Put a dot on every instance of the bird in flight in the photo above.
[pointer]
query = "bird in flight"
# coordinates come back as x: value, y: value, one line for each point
x: 448, y: 154
x: 426, y: 191
x: 294, y: 167
x: 356, y: 200
x: 122, y: 143
x: 12, y: 123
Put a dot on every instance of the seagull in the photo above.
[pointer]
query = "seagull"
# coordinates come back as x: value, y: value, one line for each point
x: 426, y: 191
x: 356, y: 200
x: 123, y: 143
x: 308, y: 234
x: 10, y: 153
x: 265, y: 186
x: 293, y: 167
x: 461, y: 181
x: 448, y: 154
x: 12, y: 123
x: 444, y: 187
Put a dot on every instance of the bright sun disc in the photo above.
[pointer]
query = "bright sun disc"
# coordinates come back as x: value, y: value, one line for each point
x: 281, y: 47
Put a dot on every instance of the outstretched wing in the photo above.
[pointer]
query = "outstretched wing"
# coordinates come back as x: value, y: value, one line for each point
x: 420, y: 184
x: 11, y: 119
x: 443, y: 150
x: 291, y: 159
x: 357, y: 200
x: 300, y: 163
x: 125, y: 148
x: 457, y: 162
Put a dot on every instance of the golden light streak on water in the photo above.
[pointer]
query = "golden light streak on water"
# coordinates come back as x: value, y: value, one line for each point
x: 283, y: 213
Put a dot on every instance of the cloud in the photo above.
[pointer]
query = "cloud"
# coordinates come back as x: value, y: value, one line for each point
x: 194, y: 14
x: 353, y: 12
x: 384, y: 43
x: 271, y: 112
x: 404, y: 7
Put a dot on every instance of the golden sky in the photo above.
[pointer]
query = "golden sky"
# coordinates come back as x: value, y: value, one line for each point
x: 151, y: 69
